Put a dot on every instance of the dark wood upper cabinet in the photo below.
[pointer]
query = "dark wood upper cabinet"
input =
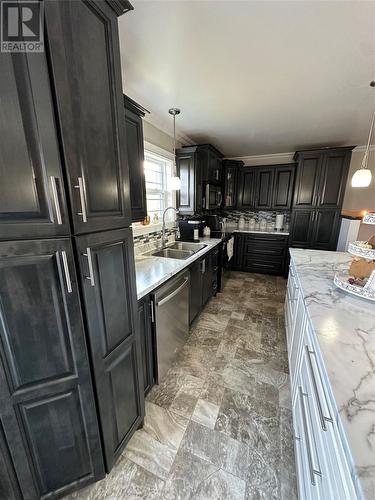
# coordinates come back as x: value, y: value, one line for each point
x: 246, y: 188
x: 135, y: 151
x: 333, y: 178
x: 214, y: 165
x: 187, y: 170
x: 321, y: 177
x: 86, y: 71
x: 32, y: 196
x: 47, y: 410
x: 230, y: 173
x: 283, y: 186
x: 196, y: 166
x: 108, y: 282
x: 308, y: 171
x: 263, y: 196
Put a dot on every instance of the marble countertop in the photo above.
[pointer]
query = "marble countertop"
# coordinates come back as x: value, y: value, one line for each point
x: 153, y: 271
x: 345, y: 329
x: 234, y: 229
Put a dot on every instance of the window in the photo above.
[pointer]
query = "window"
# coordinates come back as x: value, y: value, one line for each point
x: 158, y: 171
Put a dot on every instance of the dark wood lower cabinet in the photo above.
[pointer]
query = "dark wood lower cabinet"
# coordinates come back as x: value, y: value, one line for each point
x: 49, y: 435
x: 326, y: 229
x: 108, y: 284
x: 145, y: 324
x: 195, y: 294
x: 261, y: 253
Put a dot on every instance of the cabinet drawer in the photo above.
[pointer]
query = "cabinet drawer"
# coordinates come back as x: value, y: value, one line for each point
x: 266, y: 239
x: 263, y: 264
x: 263, y: 248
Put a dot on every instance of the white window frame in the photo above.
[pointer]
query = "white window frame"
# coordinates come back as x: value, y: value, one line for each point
x: 169, y: 196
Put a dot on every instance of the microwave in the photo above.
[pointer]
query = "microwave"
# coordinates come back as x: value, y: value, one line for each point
x: 213, y: 197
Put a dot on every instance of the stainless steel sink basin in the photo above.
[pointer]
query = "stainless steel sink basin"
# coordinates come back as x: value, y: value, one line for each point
x: 172, y: 253
x: 182, y: 245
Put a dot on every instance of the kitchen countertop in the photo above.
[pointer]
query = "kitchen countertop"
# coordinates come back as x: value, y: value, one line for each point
x: 345, y: 329
x: 229, y: 228
x: 153, y: 271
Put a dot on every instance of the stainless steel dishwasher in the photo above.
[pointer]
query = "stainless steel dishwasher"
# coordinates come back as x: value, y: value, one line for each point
x: 171, y: 302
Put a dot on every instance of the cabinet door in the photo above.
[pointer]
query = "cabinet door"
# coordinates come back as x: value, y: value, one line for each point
x: 283, y: 187
x: 195, y: 300
x: 85, y: 61
x: 186, y: 172
x: 135, y: 150
x: 333, y: 179
x: 207, y: 278
x: 326, y: 229
x: 145, y: 323
x: 264, y: 188
x: 214, y: 167
x: 108, y: 282
x: 47, y: 409
x: 308, y: 170
x: 246, y: 188
x: 32, y: 199
x: 301, y: 228
x: 230, y: 186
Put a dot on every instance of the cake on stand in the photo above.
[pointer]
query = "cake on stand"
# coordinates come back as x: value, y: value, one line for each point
x: 359, y: 279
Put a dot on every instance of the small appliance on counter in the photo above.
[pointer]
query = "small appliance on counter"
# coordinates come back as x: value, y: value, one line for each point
x: 190, y: 230
x: 279, y: 223
x: 214, y: 222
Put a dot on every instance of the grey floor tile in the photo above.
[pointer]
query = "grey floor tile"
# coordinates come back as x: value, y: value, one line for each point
x: 288, y: 480
x: 150, y: 454
x: 205, y: 413
x: 126, y: 480
x: 187, y: 472
x: 221, y: 485
x: 164, y: 425
x: 204, y: 337
x: 254, y: 422
x: 184, y: 404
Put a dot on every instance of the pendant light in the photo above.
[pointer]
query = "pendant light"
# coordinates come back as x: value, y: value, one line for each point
x: 175, y: 183
x: 363, y: 176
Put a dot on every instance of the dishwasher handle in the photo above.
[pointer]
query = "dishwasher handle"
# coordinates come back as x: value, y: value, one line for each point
x: 174, y: 293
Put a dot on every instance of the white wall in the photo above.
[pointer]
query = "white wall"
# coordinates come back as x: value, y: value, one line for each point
x: 360, y: 198
x: 157, y: 137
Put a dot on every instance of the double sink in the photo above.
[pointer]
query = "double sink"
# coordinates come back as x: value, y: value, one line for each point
x: 179, y: 250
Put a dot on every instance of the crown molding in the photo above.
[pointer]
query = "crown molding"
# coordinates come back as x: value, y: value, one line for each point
x: 362, y: 149
x: 275, y: 158
x: 269, y: 159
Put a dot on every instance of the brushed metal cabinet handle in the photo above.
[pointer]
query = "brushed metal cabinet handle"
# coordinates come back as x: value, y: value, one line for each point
x: 66, y: 271
x: 314, y: 470
x: 90, y: 277
x: 81, y: 187
x: 152, y: 311
x: 55, y: 197
x: 174, y: 293
x: 323, y: 418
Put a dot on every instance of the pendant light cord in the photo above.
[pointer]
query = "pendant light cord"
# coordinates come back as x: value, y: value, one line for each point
x: 365, y: 157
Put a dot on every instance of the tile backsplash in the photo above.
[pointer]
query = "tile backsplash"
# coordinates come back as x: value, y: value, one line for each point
x: 151, y: 241
x: 232, y: 216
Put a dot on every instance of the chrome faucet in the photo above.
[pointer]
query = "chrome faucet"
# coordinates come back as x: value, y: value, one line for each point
x: 163, y: 228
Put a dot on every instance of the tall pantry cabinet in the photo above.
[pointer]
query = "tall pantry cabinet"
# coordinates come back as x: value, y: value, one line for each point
x: 70, y: 384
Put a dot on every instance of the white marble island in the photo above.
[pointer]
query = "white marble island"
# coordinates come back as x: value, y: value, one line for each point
x: 342, y: 331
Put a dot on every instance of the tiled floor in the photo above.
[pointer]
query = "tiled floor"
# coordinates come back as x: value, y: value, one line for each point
x: 219, y: 426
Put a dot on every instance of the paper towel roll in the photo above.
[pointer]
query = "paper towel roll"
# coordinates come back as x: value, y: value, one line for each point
x: 279, y: 221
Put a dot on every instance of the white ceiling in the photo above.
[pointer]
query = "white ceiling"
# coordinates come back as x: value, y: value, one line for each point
x: 254, y: 77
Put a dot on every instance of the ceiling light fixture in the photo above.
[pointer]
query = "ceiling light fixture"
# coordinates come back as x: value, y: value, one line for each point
x: 362, y: 177
x: 175, y: 183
